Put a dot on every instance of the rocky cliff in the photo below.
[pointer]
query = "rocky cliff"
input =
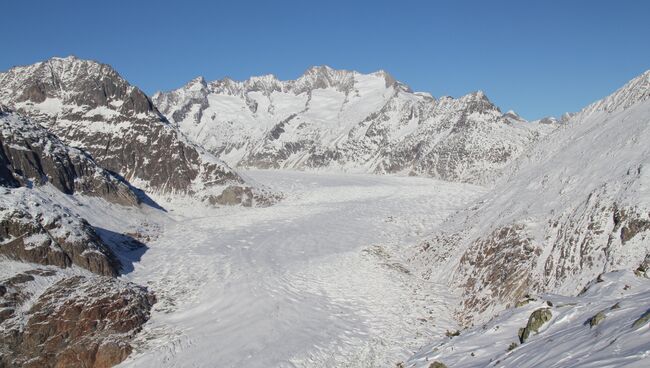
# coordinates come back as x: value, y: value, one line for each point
x: 30, y: 155
x: 79, y: 321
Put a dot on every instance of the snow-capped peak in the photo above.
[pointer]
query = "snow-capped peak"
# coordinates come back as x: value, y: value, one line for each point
x: 348, y: 120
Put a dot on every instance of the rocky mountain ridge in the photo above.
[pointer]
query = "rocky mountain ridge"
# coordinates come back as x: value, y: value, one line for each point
x: 90, y: 106
x: 344, y: 120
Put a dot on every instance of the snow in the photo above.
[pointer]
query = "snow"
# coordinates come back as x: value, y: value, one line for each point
x: 356, y: 121
x: 566, y: 340
x: 312, y: 281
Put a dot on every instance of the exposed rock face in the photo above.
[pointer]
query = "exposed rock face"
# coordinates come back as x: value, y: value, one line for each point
x: 571, y: 208
x: 34, y: 229
x: 536, y: 320
x: 29, y: 155
x: 643, y: 320
x: 596, y: 319
x: 13, y: 294
x: 78, y: 322
x: 90, y: 106
x: 245, y: 196
x: 345, y: 120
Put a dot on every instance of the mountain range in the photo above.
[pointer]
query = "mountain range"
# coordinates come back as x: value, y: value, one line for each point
x: 347, y: 121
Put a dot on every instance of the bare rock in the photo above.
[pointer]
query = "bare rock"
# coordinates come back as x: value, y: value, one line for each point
x: 33, y: 229
x: 79, y: 321
x: 30, y: 155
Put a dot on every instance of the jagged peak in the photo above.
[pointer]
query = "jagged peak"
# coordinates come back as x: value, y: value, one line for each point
x: 73, y: 81
x: 321, y: 69
x: 69, y: 67
x: 476, y: 96
x: 198, y: 80
x: 264, y: 83
x: 264, y: 78
x: 513, y: 116
x: 476, y: 101
x: 196, y: 84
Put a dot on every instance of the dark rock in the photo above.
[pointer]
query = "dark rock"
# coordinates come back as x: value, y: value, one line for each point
x: 596, y: 319
x: 78, y: 322
x: 643, y: 320
x: 245, y: 196
x: 451, y: 334
x: 51, y: 235
x: 437, y: 365
x: 29, y: 155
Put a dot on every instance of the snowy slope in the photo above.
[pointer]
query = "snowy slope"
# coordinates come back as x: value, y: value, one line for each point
x: 345, y: 120
x: 568, y: 339
x: 576, y: 205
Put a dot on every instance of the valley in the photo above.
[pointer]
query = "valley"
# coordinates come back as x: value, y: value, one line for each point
x: 316, y: 280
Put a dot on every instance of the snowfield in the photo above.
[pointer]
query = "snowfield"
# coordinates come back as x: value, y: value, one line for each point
x: 313, y: 281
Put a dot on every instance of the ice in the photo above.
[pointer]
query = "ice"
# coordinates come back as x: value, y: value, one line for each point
x: 312, y: 281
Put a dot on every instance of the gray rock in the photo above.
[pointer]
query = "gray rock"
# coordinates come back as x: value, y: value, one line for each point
x: 79, y: 321
x: 30, y: 155
x: 596, y: 319
x: 536, y: 320
x: 32, y: 229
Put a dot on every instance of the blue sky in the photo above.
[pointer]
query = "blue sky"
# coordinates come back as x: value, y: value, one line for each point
x: 536, y: 57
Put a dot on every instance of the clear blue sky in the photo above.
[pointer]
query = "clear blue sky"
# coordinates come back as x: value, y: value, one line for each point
x: 536, y: 57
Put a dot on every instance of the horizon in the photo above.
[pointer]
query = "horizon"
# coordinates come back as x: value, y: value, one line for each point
x: 538, y: 60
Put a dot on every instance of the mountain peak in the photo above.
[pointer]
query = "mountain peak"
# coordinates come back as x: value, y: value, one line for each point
x: 72, y: 81
x: 319, y: 69
x: 196, y: 84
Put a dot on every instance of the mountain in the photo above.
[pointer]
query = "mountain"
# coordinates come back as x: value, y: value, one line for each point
x: 345, y: 120
x: 88, y: 105
x: 574, y: 206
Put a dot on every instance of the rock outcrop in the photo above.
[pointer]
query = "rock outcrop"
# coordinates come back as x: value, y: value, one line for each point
x: 35, y: 229
x: 536, y: 320
x: 77, y: 322
x: 30, y: 155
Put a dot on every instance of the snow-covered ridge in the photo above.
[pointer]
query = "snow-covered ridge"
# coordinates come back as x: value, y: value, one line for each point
x: 575, y: 205
x: 635, y: 91
x: 348, y: 121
